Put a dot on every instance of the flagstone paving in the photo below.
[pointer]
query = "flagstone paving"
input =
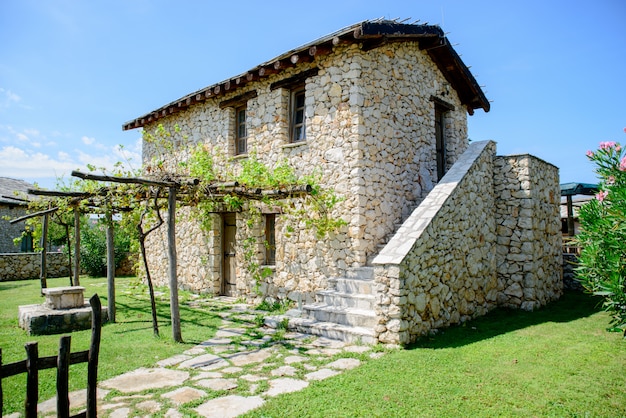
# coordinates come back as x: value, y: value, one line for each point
x: 231, y: 373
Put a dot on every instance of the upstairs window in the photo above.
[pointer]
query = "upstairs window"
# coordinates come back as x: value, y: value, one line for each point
x: 298, y: 125
x: 241, y: 132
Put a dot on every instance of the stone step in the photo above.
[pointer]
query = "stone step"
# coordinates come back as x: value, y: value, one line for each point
x: 325, y: 329
x: 346, y: 300
x: 353, y: 286
x: 360, y: 273
x: 345, y: 316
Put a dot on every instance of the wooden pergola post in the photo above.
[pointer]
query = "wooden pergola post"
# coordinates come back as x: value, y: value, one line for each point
x: 76, y: 246
x: 171, y: 255
x: 110, y: 265
x: 43, y: 271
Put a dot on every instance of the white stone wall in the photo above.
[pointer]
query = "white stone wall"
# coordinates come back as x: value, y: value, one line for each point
x: 529, y: 251
x: 487, y: 235
x: 371, y: 135
x: 440, y: 268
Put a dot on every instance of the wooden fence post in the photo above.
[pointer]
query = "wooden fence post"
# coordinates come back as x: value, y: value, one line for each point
x: 32, y: 380
x: 94, y: 351
x: 63, y: 369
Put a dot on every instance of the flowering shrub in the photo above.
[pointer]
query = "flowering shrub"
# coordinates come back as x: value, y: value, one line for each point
x: 602, y: 263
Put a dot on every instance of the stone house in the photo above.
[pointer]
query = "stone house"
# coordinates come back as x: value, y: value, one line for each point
x: 13, y: 204
x: 438, y: 230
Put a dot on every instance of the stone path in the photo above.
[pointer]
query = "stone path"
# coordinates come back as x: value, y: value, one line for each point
x: 235, y: 371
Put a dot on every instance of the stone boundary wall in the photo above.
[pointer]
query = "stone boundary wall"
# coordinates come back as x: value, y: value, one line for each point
x: 24, y: 266
x: 440, y: 268
x: 529, y: 253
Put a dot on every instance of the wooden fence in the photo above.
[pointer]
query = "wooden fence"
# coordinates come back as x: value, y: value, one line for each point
x: 65, y: 358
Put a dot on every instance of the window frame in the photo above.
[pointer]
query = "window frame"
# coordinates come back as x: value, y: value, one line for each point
x: 239, y: 125
x: 297, y: 126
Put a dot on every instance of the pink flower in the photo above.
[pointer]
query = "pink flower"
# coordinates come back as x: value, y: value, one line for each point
x: 610, y: 180
x: 622, y: 164
x: 601, y: 195
x: 589, y: 154
x: 625, y: 130
x: 607, y: 144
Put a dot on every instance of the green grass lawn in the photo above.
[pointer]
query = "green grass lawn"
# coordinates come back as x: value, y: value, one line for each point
x: 125, y: 345
x: 558, y: 361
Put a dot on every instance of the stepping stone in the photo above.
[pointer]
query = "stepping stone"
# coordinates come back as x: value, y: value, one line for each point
x: 330, y: 351
x: 252, y: 378
x: 143, y: 379
x: 78, y: 399
x: 243, y: 359
x: 172, y: 413
x: 149, y: 406
x: 310, y: 367
x: 215, y: 341
x: 184, y: 395
x: 232, y: 370
x: 284, y: 371
x: 221, y: 363
x: 195, y: 351
x: 294, y: 359
x: 229, y: 406
x: 207, y: 375
x: 218, y: 384
x: 285, y: 385
x: 172, y: 361
x: 120, y: 413
x: 344, y: 363
x: 357, y: 349
x: 377, y: 355
x: 200, y: 361
x: 321, y: 374
x: 234, y: 332
x: 328, y: 343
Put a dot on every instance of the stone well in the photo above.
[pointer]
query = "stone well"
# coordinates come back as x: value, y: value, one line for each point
x: 64, y: 310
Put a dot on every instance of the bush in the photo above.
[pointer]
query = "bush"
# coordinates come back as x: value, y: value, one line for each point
x: 602, y: 263
x: 93, y: 248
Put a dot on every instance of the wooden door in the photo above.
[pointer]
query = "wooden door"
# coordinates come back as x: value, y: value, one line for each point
x: 229, y: 277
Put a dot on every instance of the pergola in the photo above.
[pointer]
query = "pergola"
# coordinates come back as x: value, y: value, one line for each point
x: 572, y: 189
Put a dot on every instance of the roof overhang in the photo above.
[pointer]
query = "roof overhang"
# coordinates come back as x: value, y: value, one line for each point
x: 369, y: 35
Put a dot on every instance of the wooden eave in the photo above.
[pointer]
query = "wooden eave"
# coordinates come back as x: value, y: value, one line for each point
x: 369, y: 35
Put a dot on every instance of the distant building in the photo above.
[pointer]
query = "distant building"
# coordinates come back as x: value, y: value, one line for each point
x: 14, y: 199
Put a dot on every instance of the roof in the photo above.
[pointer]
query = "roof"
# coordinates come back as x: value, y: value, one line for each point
x: 368, y: 34
x: 572, y: 189
x: 14, y: 191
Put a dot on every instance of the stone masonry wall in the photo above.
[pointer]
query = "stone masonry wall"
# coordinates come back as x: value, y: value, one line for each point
x: 9, y: 231
x: 23, y: 266
x: 370, y: 135
x: 529, y: 251
x: 487, y: 235
x: 440, y: 268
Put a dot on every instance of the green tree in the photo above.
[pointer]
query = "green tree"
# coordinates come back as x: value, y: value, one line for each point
x: 602, y: 263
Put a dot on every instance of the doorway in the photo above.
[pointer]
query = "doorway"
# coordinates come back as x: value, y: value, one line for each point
x: 229, y: 263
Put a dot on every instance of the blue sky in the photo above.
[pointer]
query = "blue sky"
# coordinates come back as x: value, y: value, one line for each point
x: 72, y: 72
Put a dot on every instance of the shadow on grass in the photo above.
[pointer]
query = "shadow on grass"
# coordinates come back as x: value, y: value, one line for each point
x: 571, y: 306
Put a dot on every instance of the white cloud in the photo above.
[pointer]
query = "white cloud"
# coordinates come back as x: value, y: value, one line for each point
x: 8, y: 98
x: 18, y: 163
x: 88, y: 140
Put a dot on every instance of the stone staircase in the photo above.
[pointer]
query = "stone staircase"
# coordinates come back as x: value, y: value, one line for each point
x: 344, y: 313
